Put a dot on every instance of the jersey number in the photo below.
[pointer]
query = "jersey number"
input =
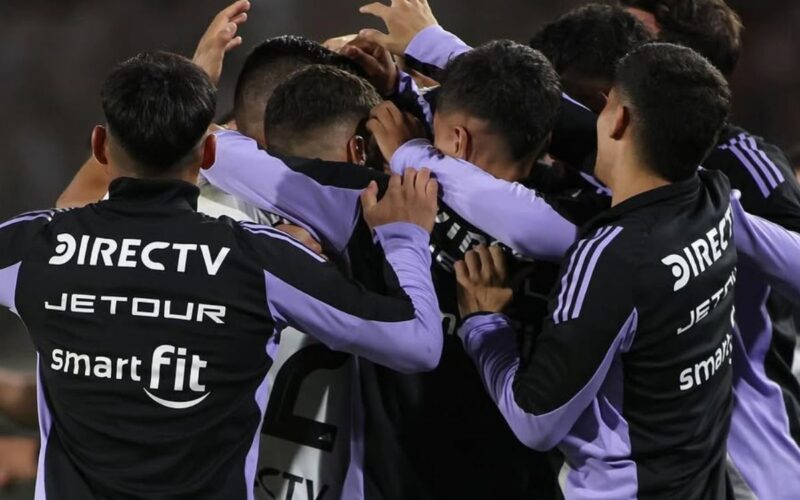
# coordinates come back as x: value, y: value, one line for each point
x: 280, y: 420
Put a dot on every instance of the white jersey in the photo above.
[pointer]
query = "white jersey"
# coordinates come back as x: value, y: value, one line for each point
x: 305, y: 439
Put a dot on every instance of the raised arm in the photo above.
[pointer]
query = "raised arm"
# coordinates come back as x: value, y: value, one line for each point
x: 773, y: 249
x: 250, y: 173
x: 402, y: 330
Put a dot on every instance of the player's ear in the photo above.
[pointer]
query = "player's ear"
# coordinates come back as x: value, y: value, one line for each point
x: 99, y: 142
x: 209, y: 152
x: 462, y: 144
x: 357, y: 150
x: 622, y: 120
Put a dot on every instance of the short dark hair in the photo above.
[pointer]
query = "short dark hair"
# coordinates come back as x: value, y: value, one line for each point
x: 589, y: 41
x: 711, y: 27
x: 679, y: 104
x: 511, y: 86
x: 158, y: 106
x: 271, y: 63
x: 314, y: 98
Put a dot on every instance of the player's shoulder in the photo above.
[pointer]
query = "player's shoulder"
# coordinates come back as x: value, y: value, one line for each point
x: 35, y: 218
x: 265, y: 242
x: 750, y: 161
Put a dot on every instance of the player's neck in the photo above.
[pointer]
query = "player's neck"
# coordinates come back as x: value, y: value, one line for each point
x: 631, y: 178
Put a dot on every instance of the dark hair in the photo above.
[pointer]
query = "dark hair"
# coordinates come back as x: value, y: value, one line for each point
x: 158, y: 106
x: 711, y: 27
x: 512, y: 87
x: 271, y: 63
x: 589, y: 41
x: 679, y: 103
x: 793, y: 155
x: 314, y: 98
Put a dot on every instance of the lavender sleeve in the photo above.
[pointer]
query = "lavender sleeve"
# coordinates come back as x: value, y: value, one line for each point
x: 435, y: 46
x: 402, y: 333
x: 253, y: 175
x: 510, y: 212
x: 772, y: 248
x: 491, y: 343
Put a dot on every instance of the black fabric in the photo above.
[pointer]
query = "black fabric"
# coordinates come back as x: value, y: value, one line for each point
x: 425, y: 433
x: 782, y: 206
x: 677, y: 414
x: 152, y: 362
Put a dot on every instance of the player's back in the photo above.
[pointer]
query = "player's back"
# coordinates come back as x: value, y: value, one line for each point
x: 672, y: 383
x: 154, y: 338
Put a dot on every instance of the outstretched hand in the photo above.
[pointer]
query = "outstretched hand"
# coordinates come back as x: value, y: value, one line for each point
x: 392, y: 128
x: 403, y: 19
x: 483, y: 281
x: 219, y: 38
x: 411, y: 198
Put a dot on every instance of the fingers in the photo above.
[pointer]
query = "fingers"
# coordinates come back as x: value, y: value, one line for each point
x: 473, y: 263
x: 462, y: 274
x: 499, y: 262
x: 409, y: 177
x: 235, y: 9
x: 374, y: 36
x: 369, y: 197
x: 376, y: 9
x: 241, y: 18
x: 368, y: 62
x: 432, y: 191
x: 487, y: 267
x: 421, y: 182
x: 233, y: 43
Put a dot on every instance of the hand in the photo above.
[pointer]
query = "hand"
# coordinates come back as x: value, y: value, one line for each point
x: 219, y: 38
x: 18, y: 460
x: 482, y: 281
x: 376, y: 62
x: 336, y: 43
x: 404, y: 19
x: 303, y: 236
x: 392, y: 128
x: 410, y: 199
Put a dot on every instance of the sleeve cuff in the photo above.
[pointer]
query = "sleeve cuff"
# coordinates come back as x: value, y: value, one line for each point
x: 435, y: 46
x: 482, y: 322
x: 409, y: 154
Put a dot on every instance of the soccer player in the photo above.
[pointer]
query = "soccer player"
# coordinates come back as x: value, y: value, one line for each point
x: 757, y: 413
x: 632, y: 385
x: 155, y: 325
x: 584, y: 46
x: 760, y: 170
x: 303, y: 120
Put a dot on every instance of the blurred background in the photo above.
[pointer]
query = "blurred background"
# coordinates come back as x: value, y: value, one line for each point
x: 54, y: 55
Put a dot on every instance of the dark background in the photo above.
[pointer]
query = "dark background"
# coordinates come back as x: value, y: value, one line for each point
x: 54, y: 55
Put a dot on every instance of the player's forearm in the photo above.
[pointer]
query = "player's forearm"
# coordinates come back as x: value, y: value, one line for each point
x: 400, y: 331
x: 420, y: 347
x: 775, y: 251
x: 253, y: 175
x: 492, y: 344
x: 89, y: 185
x: 510, y: 212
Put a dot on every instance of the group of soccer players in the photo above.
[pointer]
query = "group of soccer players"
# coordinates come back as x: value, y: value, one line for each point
x: 406, y: 268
